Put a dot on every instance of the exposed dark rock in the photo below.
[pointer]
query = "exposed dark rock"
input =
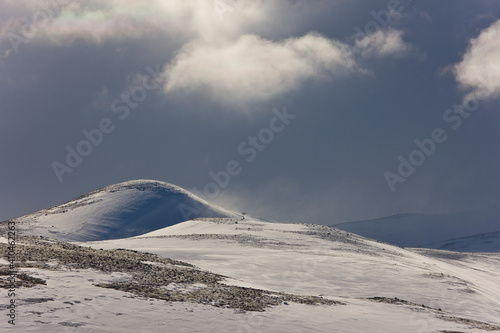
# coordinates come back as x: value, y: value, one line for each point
x: 150, y: 275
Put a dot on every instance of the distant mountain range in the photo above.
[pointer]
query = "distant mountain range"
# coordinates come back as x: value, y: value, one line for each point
x: 475, y: 231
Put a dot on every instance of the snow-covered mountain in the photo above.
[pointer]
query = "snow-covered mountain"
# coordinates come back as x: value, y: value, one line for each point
x: 439, y: 231
x: 233, y: 273
x: 121, y: 210
x: 488, y: 242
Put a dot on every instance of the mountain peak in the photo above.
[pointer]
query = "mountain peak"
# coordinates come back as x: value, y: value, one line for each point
x: 117, y: 211
x: 145, y: 184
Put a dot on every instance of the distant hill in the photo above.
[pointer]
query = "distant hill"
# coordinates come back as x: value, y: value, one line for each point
x: 434, y: 230
x: 489, y: 242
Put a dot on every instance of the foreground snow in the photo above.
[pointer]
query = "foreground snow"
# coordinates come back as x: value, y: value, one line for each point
x: 78, y: 306
x: 300, y: 259
x: 317, y: 260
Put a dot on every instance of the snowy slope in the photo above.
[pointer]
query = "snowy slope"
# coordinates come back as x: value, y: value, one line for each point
x: 429, y: 230
x: 318, y: 260
x: 295, y: 258
x: 117, y: 211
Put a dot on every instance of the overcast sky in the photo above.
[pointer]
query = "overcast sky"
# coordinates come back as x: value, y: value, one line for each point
x: 304, y: 111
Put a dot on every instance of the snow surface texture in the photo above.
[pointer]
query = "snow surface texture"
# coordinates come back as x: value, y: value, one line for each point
x: 122, y: 210
x: 384, y: 288
x: 474, y: 231
x: 314, y: 260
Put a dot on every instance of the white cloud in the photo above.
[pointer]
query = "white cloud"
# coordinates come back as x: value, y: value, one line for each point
x: 222, y: 53
x: 255, y: 69
x: 479, y: 70
x: 222, y: 56
x: 102, y: 20
x: 388, y: 42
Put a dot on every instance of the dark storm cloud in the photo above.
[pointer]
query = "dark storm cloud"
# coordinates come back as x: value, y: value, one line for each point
x: 364, y: 87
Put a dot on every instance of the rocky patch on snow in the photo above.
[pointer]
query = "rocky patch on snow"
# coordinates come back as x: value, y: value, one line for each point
x: 147, y: 275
